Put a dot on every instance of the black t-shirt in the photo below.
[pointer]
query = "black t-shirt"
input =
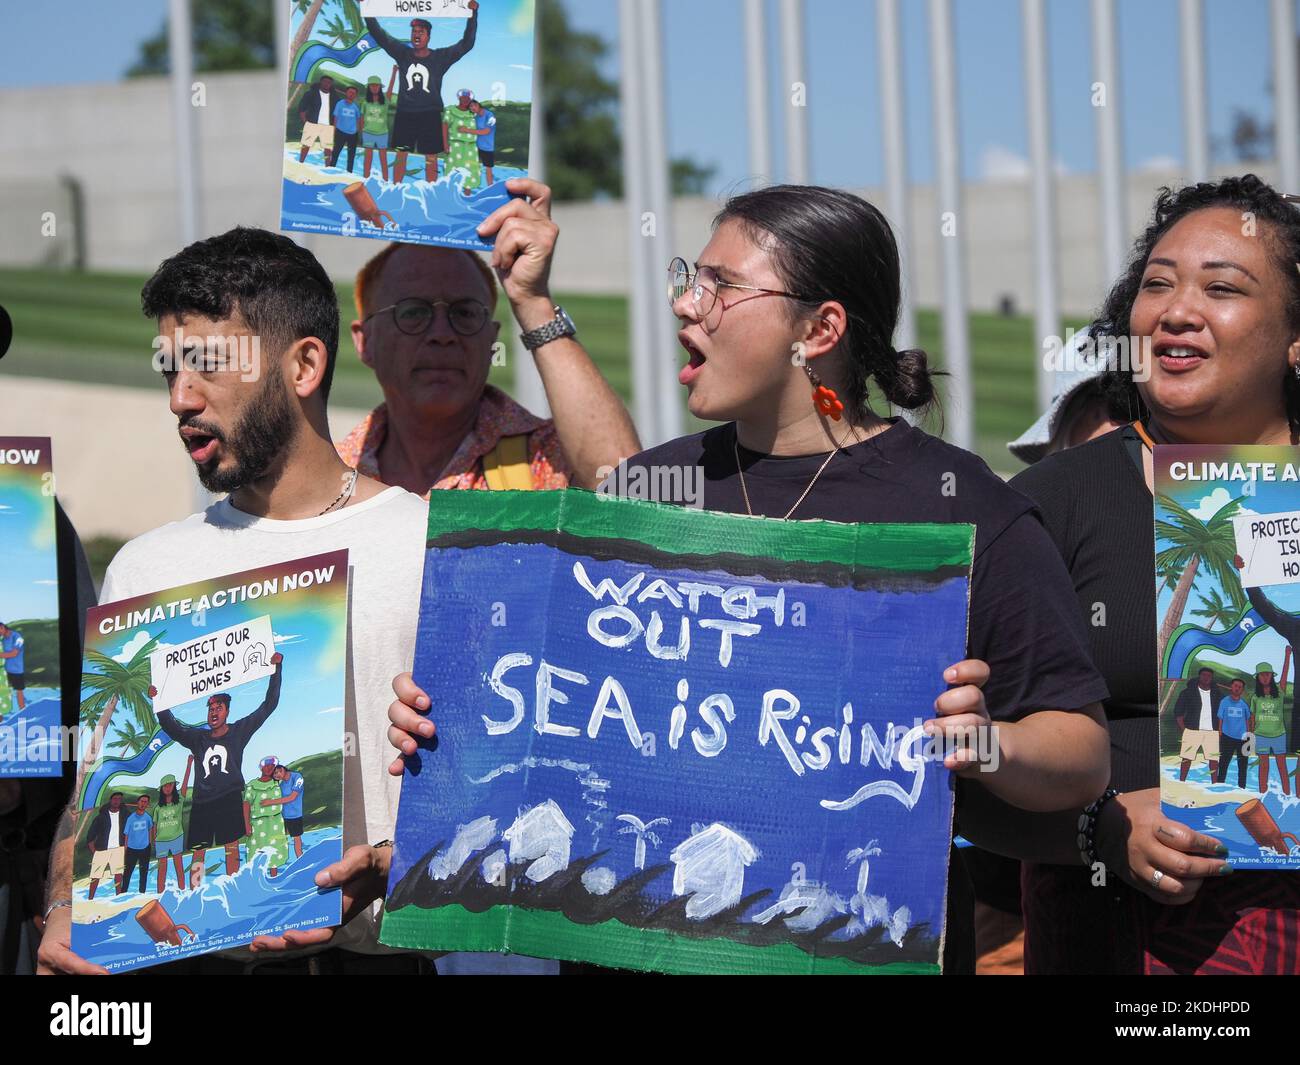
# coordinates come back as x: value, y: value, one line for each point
x: 218, y: 760
x: 1096, y: 507
x: 420, y: 80
x: 1023, y: 619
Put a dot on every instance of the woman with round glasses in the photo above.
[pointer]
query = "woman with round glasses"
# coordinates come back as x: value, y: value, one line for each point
x: 787, y: 322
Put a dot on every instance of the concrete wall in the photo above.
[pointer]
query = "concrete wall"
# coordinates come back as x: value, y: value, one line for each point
x: 119, y: 466
x: 117, y: 141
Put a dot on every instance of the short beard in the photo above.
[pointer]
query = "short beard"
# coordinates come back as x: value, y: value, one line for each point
x: 261, y: 436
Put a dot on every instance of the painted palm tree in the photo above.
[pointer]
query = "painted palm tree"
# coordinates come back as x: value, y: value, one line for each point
x: 112, y: 683
x: 1189, y: 542
x: 1168, y: 575
x: 130, y: 739
x: 1216, y: 610
x: 644, y: 832
x: 862, y: 855
x: 310, y: 9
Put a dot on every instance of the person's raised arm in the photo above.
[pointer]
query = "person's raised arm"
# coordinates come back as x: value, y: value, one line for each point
x: 593, y: 426
x: 391, y: 45
x: 447, y: 56
x: 272, y: 700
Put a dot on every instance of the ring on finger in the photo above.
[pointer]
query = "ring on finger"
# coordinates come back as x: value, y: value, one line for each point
x: 1156, y: 877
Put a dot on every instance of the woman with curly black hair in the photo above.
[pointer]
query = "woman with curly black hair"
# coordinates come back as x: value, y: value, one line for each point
x: 1209, y: 312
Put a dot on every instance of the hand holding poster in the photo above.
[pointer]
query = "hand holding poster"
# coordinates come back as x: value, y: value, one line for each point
x: 1227, y: 525
x: 406, y: 117
x: 213, y: 711
x: 677, y: 740
x: 30, y: 699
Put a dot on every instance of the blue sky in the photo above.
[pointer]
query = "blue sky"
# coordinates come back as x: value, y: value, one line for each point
x: 28, y: 569
x: 705, y: 76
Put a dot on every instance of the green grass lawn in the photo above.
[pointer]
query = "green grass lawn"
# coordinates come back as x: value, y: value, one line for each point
x: 88, y: 327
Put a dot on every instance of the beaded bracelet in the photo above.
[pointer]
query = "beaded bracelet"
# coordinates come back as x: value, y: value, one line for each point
x: 1087, y: 838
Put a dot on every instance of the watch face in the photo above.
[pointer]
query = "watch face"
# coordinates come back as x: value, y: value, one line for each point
x: 563, y: 317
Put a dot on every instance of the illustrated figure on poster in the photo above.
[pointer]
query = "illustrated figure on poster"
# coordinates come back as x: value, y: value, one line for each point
x: 106, y: 841
x: 1197, y: 714
x: 418, y: 125
x: 347, y: 126
x: 374, y: 127
x: 216, y: 815
x: 291, y: 795
x: 1285, y: 625
x: 485, y: 128
x: 263, y: 821
x: 462, y: 140
x: 169, y: 837
x: 317, y: 114
x: 1269, y: 725
x: 1234, y: 726
x: 140, y: 832
x: 11, y: 650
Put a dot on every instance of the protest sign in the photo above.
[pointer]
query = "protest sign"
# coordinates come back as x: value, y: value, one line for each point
x: 405, y: 117
x: 211, y: 790
x: 1227, y: 524
x: 30, y: 700
x: 677, y: 740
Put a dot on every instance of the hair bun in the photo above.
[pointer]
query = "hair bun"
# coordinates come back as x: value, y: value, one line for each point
x: 906, y: 379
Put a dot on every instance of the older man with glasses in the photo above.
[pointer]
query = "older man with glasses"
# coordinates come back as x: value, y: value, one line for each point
x: 426, y: 327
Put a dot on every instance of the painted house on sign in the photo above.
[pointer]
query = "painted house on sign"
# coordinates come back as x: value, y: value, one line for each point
x: 542, y: 836
x: 711, y: 869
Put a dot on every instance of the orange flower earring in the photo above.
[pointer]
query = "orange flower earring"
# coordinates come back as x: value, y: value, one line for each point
x: 828, y: 404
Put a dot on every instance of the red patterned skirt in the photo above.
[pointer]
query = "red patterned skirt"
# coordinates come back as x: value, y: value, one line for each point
x: 1246, y: 924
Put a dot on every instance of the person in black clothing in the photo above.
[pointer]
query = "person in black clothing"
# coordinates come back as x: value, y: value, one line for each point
x: 1220, y: 309
x: 107, y: 835
x: 316, y: 111
x: 417, y: 126
x: 814, y: 271
x: 1197, y: 711
x: 217, y: 810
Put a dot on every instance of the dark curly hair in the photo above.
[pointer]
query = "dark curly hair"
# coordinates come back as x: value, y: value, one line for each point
x: 827, y: 244
x: 1279, y: 225
x: 279, y: 289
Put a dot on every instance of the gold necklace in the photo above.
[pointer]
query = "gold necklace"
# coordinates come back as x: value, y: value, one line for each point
x: 735, y: 450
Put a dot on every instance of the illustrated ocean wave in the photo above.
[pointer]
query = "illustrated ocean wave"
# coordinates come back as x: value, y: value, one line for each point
x: 423, y: 212
x: 226, y: 911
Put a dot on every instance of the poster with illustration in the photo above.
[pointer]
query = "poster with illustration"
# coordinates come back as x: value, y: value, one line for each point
x: 679, y: 741
x: 30, y: 734
x: 1227, y: 543
x: 405, y: 118
x: 211, y: 789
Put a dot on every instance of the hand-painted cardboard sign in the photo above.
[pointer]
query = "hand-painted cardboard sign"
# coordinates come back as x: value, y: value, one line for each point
x: 203, y: 819
x: 31, y: 740
x: 212, y: 662
x: 405, y: 118
x: 680, y: 741
x: 1227, y: 528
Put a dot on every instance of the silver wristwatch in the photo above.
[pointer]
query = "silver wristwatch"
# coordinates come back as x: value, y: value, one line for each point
x: 559, y: 326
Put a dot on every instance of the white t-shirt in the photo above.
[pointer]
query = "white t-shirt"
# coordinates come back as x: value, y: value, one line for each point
x: 325, y: 109
x: 114, y: 829
x: 1207, y: 715
x: 385, y: 538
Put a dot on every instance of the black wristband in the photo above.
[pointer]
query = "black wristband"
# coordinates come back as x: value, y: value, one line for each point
x: 1087, y: 837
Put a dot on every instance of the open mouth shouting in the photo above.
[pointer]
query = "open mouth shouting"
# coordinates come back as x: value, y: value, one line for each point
x: 691, y: 370
x: 201, y: 445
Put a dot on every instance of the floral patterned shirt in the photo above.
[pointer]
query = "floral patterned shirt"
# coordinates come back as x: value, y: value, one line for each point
x: 498, y: 416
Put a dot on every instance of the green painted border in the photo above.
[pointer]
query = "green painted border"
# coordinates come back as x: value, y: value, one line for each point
x: 541, y: 933
x: 917, y: 548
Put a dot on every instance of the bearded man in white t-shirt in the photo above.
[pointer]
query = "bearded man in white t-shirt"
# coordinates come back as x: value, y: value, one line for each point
x: 250, y: 410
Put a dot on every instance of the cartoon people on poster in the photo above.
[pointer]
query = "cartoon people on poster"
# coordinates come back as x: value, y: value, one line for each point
x: 436, y: 143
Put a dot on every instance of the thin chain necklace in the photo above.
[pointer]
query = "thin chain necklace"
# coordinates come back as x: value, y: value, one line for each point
x: 342, y: 497
x: 735, y: 450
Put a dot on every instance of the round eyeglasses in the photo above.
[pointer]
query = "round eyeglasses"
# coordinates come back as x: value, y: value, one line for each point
x: 702, y: 286
x: 413, y: 315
